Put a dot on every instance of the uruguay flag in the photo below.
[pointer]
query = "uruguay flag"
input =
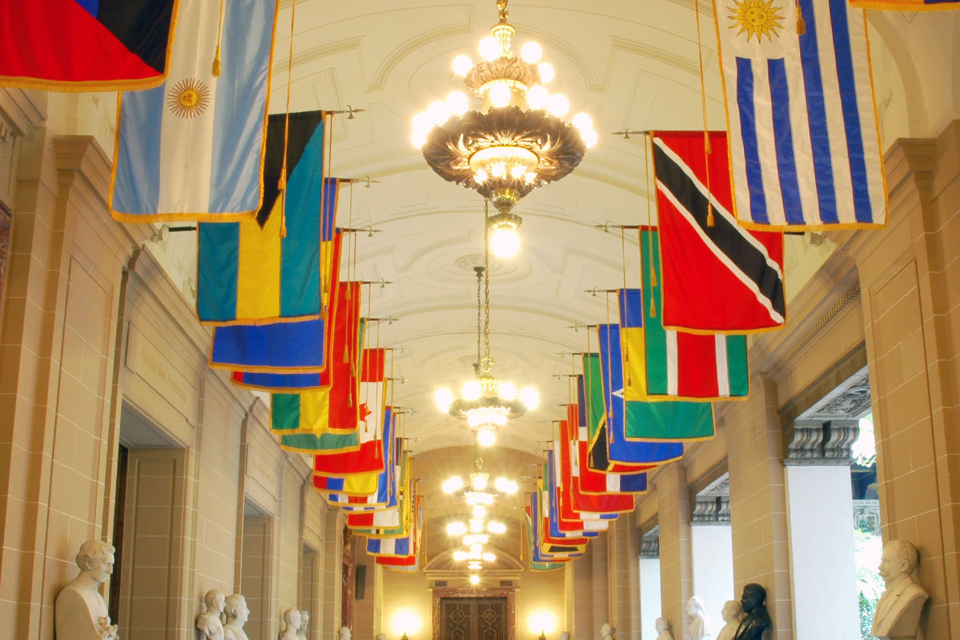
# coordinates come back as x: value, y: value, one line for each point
x: 804, y: 138
x: 192, y: 148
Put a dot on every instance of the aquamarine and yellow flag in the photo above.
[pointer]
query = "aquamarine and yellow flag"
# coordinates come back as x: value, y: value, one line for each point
x: 269, y: 268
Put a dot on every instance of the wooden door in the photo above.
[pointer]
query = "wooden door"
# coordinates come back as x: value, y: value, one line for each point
x: 473, y: 619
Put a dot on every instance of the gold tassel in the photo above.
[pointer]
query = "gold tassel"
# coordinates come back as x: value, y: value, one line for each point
x: 801, y: 25
x: 216, y: 57
x: 216, y: 63
x: 653, y: 307
x: 282, y: 185
x: 710, y: 220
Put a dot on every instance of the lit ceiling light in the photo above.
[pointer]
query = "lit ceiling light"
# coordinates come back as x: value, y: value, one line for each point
x: 509, y: 129
x: 474, y: 579
x: 486, y: 403
x: 456, y: 529
x: 496, y: 527
x: 504, y: 239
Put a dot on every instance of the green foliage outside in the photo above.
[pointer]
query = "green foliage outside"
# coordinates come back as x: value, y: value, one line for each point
x: 869, y: 584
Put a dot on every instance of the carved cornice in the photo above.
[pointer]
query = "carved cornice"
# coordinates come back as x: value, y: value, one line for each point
x: 711, y: 511
x: 822, y: 443
x: 650, y: 547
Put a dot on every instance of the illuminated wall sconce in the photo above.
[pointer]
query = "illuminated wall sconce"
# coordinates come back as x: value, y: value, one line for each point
x: 542, y: 622
x: 404, y: 621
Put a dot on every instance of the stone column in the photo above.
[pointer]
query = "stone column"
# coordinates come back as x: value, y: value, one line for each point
x: 910, y: 278
x: 650, y: 599
x: 622, y: 554
x: 711, y: 544
x: 820, y: 529
x: 757, y: 503
x: 332, y: 572
x: 676, y: 568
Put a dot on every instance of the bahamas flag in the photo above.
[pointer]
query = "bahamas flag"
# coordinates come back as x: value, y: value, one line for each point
x: 249, y: 272
x: 86, y: 45
x: 676, y: 365
x: 193, y: 148
x: 603, y: 382
x: 636, y: 419
x: 801, y: 115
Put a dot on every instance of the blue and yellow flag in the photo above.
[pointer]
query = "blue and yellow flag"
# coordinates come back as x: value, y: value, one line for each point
x: 269, y: 268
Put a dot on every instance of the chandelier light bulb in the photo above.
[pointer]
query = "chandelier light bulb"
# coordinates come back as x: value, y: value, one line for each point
x: 496, y: 527
x: 480, y: 176
x: 456, y: 529
x: 531, y: 52
x: 546, y: 72
x: 508, y: 391
x: 479, y: 512
x: 452, y: 484
x: 457, y: 103
x: 505, y: 243
x: 486, y: 437
x: 474, y: 579
x: 422, y: 123
x: 489, y: 48
x: 459, y: 556
x: 476, y: 526
x: 462, y: 64
x: 500, y: 95
x: 439, y: 112
x: 488, y: 557
x: 517, y: 171
x: 582, y: 121
x: 501, y: 485
x: 478, y: 481
x: 476, y: 549
x: 537, y: 97
x: 558, y: 105
x: 471, y: 390
x: 443, y: 397
x: 498, y: 170
x: 474, y: 565
x: 511, y: 487
x: 418, y: 139
x: 589, y: 137
x: 530, y: 398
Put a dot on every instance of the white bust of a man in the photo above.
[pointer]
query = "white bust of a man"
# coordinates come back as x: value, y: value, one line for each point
x: 565, y: 635
x: 236, y: 612
x: 304, y: 623
x: 607, y: 631
x: 80, y: 612
x: 732, y: 614
x: 292, y: 622
x: 343, y: 633
x: 700, y: 623
x: 898, y: 610
x: 663, y: 629
x: 209, y: 621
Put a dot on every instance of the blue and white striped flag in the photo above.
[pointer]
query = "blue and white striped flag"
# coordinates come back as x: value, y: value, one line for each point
x: 389, y: 547
x: 192, y: 148
x: 804, y: 138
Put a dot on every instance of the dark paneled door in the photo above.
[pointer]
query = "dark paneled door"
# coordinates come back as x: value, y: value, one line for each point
x: 473, y: 619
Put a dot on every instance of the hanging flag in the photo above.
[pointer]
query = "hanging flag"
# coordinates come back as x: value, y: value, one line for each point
x: 84, y: 45
x: 720, y: 278
x: 535, y: 565
x: 592, y: 417
x: 570, y: 472
x: 804, y: 137
x: 563, y: 509
x: 598, y: 377
x: 268, y: 268
x: 638, y: 421
x: 387, y: 494
x: 905, y: 5
x: 369, y: 457
x: 550, y: 526
x: 193, y: 148
x: 358, y: 484
x: 675, y: 365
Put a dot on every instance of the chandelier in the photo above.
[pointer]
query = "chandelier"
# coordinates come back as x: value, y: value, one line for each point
x: 516, y: 142
x: 486, y: 403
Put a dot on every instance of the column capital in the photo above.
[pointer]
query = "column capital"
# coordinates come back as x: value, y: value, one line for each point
x: 711, y: 511
x: 824, y: 443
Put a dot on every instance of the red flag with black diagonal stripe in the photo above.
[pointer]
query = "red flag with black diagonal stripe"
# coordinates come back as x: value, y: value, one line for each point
x: 717, y: 277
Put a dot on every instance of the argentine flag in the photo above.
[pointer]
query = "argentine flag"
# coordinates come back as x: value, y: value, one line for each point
x: 804, y: 138
x: 192, y: 148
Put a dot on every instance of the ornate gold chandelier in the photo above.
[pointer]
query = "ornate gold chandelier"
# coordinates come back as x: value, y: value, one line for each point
x: 517, y: 141
x: 486, y: 403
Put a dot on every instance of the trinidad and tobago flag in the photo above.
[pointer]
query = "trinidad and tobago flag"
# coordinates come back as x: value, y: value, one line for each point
x: 86, y: 45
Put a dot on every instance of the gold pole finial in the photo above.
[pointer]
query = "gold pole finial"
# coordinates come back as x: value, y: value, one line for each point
x: 504, y: 13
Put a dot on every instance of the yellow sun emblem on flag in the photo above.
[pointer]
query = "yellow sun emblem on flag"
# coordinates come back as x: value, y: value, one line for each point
x: 188, y: 98
x: 757, y: 18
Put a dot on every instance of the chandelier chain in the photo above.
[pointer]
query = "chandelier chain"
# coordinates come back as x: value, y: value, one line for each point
x: 487, y: 361
x: 479, y: 321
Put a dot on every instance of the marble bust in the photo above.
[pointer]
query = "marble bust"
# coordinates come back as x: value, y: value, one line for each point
x: 756, y: 624
x: 304, y: 623
x: 291, y: 622
x: 209, y: 621
x: 607, y: 631
x: 700, y: 623
x: 565, y: 635
x: 236, y: 613
x: 343, y: 633
x: 80, y: 612
x: 663, y: 629
x: 381, y: 636
x: 898, y: 610
x: 732, y: 614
